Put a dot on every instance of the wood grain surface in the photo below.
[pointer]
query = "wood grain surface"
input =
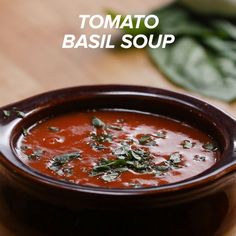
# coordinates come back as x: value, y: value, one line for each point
x: 32, y: 60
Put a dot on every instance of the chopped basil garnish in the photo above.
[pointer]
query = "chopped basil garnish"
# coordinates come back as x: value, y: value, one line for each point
x: 120, y: 120
x: 25, y: 132
x: 173, y: 163
x: 54, y: 129
x: 65, y: 171
x: 121, y: 151
x: 199, y: 158
x: 126, y: 151
x: 20, y: 114
x: 24, y: 147
x: 175, y: 158
x: 97, y: 122
x: 105, y: 165
x: 161, y: 134
x: 6, y: 113
x: 101, y: 138
x: 103, y: 135
x: 98, y: 137
x: 59, y: 161
x: 97, y: 147
x: 115, y: 127
x: 36, y: 154
x: 109, y: 177
x: 210, y: 147
x: 187, y: 144
x: 129, y: 158
x: 144, y: 139
x: 147, y: 140
x: 162, y: 168
x: 134, y: 185
x: 126, y: 159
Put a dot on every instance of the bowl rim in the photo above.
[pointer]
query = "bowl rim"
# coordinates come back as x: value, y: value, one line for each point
x: 7, y: 127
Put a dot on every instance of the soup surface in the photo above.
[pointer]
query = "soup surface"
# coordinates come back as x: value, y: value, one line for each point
x: 116, y: 149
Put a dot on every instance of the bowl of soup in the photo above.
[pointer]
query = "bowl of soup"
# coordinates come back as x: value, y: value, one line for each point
x: 116, y: 159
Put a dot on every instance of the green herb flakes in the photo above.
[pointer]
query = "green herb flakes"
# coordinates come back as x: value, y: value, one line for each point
x: 24, y: 147
x: 6, y: 113
x: 115, y: 127
x: 97, y: 122
x: 36, y: 154
x: 199, y: 158
x: 59, y: 161
x: 161, y: 134
x: 97, y: 147
x: 175, y: 158
x: 120, y: 120
x: 65, y: 171
x: 101, y: 138
x: 210, y: 147
x: 20, y: 114
x: 144, y: 139
x: 162, y: 168
x: 54, y: 129
x: 135, y: 185
x: 25, y: 132
x: 110, y: 177
x: 187, y: 144
x: 127, y: 159
x: 147, y: 140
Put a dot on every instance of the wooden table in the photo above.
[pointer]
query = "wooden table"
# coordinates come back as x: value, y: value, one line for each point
x: 32, y: 60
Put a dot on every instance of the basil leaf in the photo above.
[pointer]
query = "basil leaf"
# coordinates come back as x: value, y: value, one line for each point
x: 110, y: 177
x: 210, y: 147
x: 115, y: 127
x: 20, y: 114
x: 175, y: 19
x: 36, y: 154
x: 189, y: 64
x: 203, y: 58
x: 147, y: 140
x: 53, y: 129
x: 199, y: 158
x: 60, y: 160
x: 101, y: 138
x: 25, y: 132
x: 97, y: 122
x: 224, y: 48
x: 162, y: 168
x: 161, y: 134
x: 225, y: 26
x: 6, y: 113
x: 136, y: 155
x: 175, y: 158
x: 187, y: 144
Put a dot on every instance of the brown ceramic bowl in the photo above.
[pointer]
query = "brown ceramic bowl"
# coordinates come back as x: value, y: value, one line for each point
x: 35, y: 204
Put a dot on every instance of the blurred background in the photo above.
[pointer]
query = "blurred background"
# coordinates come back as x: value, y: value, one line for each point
x: 32, y: 60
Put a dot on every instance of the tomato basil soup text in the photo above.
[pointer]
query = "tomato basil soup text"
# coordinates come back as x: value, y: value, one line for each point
x: 116, y: 149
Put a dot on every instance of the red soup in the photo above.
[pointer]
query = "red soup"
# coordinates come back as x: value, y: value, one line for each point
x: 116, y: 149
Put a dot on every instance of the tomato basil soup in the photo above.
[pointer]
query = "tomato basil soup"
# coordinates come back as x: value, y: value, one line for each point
x: 116, y: 149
